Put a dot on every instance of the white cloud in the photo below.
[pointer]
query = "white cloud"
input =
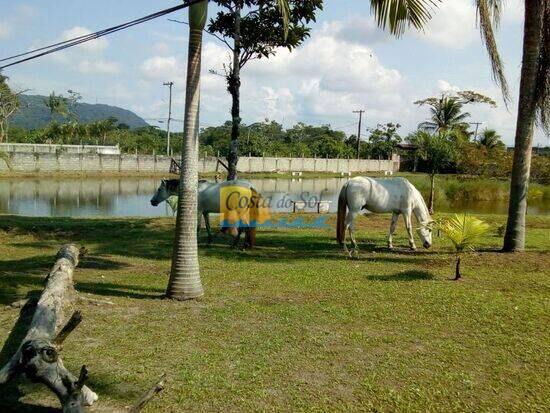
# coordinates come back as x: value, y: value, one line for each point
x: 445, y: 86
x: 162, y: 67
x: 5, y: 30
x: 453, y: 25
x: 162, y: 49
x: 322, y: 82
x: 20, y: 16
x: 362, y: 30
x: 87, y: 58
x: 325, y: 79
x: 101, y: 67
x: 93, y: 46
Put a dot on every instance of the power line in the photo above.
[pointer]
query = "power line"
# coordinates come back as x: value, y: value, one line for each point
x: 56, y: 47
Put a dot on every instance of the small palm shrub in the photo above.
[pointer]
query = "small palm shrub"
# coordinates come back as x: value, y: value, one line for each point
x: 173, y: 203
x: 464, y: 231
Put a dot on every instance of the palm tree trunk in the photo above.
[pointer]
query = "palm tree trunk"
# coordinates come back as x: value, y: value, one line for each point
x: 234, y: 86
x: 458, y: 276
x: 514, y: 239
x: 432, y: 194
x: 185, y: 282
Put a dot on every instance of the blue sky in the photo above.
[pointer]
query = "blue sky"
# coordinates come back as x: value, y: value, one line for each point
x: 347, y: 64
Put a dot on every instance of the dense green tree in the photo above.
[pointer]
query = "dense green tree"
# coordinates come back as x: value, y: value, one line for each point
x: 383, y: 141
x: 265, y: 26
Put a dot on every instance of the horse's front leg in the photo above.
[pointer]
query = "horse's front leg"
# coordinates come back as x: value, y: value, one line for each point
x: 408, y: 224
x: 237, y: 238
x: 207, y: 225
x: 198, y: 223
x: 393, y: 224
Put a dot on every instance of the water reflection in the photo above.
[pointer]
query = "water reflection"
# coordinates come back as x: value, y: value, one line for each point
x: 119, y: 197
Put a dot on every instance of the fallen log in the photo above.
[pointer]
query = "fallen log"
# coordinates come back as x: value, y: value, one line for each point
x: 38, y: 355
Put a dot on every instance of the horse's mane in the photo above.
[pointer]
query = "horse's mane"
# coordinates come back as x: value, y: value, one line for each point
x: 172, y: 184
x: 419, y: 201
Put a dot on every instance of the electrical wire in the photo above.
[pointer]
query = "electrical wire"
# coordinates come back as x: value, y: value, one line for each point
x: 56, y: 47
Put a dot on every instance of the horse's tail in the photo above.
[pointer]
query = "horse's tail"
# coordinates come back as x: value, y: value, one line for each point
x: 340, y: 222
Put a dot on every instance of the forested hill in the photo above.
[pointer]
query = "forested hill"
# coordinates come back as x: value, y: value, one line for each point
x: 34, y: 114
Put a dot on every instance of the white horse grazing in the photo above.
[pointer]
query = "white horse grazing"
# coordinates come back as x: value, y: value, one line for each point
x: 209, y: 202
x: 396, y: 195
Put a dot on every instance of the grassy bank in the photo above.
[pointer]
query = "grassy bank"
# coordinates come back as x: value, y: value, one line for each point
x: 470, y: 188
x: 293, y: 325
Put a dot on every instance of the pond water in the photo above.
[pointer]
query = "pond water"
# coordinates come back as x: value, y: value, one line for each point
x: 119, y: 197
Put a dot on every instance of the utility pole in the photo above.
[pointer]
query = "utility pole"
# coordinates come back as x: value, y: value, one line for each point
x: 359, y: 132
x: 169, y: 84
x: 477, y: 127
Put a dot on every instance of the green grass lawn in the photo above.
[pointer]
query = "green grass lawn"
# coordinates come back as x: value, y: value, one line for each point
x: 293, y: 325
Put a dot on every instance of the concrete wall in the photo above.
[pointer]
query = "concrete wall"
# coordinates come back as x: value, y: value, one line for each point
x: 46, y: 148
x: 74, y: 162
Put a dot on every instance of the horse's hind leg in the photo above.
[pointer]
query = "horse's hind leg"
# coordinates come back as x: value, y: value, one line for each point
x: 350, y: 218
x: 393, y: 224
x: 207, y: 225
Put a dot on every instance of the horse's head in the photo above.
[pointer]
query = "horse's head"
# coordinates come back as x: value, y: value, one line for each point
x: 162, y: 193
x: 425, y: 233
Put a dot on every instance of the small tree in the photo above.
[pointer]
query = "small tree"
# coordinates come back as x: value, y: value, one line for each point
x: 438, y: 151
x: 9, y: 104
x: 265, y: 26
x: 57, y: 104
x: 464, y: 231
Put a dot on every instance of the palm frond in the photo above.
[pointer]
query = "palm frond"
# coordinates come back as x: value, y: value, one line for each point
x: 488, y: 13
x: 284, y: 9
x: 464, y: 231
x: 397, y: 15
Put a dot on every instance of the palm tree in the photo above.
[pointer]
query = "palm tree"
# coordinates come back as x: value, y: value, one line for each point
x: 185, y: 281
x: 534, y: 94
x: 534, y: 102
x: 447, y: 114
x: 490, y: 139
x: 447, y: 110
x: 464, y: 232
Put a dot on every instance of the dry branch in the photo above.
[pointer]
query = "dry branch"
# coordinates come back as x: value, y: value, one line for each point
x: 147, y: 396
x: 37, y: 356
